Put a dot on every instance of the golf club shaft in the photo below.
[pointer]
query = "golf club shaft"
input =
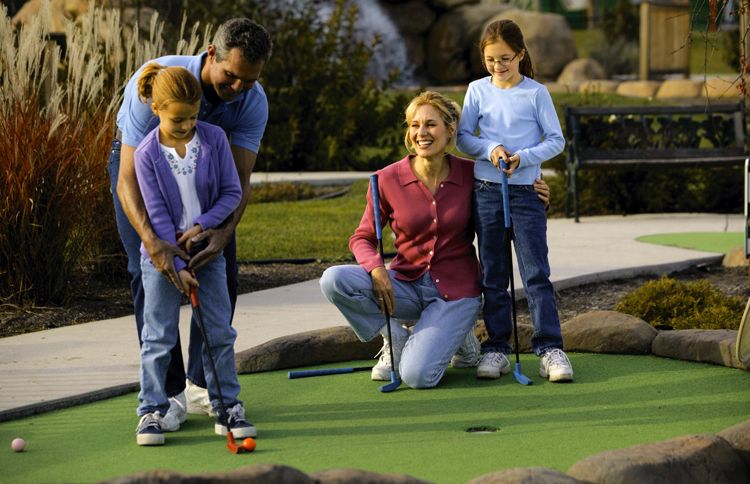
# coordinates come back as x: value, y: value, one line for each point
x: 199, y: 320
x: 324, y: 372
x: 509, y: 250
x: 379, y: 235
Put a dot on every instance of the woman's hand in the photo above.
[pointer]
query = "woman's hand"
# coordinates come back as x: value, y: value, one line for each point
x: 542, y: 191
x: 383, y: 290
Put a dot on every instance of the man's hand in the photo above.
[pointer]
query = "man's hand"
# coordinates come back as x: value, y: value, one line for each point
x: 383, y: 290
x: 215, y: 240
x: 162, y: 256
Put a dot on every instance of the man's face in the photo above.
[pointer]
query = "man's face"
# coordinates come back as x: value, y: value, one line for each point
x: 233, y: 75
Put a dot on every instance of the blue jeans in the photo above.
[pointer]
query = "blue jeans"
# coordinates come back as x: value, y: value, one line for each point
x: 175, y: 382
x: 161, y: 317
x: 440, y: 327
x: 529, y: 224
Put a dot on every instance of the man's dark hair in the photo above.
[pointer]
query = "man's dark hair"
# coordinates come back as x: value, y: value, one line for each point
x: 250, y: 37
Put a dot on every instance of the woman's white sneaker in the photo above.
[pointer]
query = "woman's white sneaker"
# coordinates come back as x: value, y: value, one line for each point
x: 555, y: 366
x: 176, y: 415
x: 492, y: 365
x: 468, y: 354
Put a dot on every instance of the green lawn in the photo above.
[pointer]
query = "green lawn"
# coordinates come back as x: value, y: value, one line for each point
x: 343, y: 421
x: 718, y: 242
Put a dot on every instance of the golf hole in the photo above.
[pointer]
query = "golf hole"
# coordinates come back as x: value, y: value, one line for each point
x: 483, y: 429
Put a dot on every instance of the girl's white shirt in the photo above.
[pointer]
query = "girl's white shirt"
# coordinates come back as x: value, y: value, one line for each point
x: 183, y: 169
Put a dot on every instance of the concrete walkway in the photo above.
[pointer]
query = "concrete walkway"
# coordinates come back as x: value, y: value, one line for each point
x: 63, y: 366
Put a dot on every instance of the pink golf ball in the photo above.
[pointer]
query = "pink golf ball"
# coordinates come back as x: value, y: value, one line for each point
x: 18, y: 445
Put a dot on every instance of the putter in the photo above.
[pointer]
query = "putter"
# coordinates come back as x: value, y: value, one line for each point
x: 328, y: 371
x: 231, y: 444
x: 517, y: 373
x: 395, y: 382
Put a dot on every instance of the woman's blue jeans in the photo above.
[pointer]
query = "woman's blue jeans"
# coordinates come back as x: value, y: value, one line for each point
x: 175, y: 382
x: 529, y: 223
x: 161, y: 318
x: 440, y: 326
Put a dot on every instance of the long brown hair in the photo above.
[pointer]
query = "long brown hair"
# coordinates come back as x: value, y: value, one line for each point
x: 510, y: 33
x: 164, y: 85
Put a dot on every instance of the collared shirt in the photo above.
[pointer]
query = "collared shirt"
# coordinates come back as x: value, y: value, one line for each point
x: 433, y: 233
x: 243, y: 119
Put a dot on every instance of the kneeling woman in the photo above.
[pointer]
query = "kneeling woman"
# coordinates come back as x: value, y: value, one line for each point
x: 434, y: 279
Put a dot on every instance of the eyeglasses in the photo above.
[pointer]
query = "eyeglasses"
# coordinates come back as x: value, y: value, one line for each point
x: 505, y: 61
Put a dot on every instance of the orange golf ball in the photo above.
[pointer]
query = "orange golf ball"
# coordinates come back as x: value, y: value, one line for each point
x: 248, y: 444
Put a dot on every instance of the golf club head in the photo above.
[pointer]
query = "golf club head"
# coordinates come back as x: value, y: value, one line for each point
x: 232, y: 445
x: 520, y: 377
x: 395, y: 383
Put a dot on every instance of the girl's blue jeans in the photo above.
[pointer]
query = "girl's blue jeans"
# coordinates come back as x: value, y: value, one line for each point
x: 440, y: 326
x: 529, y: 223
x: 161, y: 317
x: 132, y: 244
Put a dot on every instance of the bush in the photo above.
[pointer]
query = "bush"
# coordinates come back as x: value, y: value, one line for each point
x: 281, y: 192
x: 683, y: 305
x: 621, y: 29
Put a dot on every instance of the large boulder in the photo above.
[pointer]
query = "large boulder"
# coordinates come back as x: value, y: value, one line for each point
x: 738, y: 437
x: 260, y: 473
x: 696, y: 458
x: 347, y: 476
x: 608, y: 332
x: 329, y: 345
x: 645, y: 89
x: 453, y: 38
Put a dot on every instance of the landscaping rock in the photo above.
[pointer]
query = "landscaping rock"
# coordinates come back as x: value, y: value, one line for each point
x: 719, y: 87
x: 696, y: 458
x: 260, y: 473
x: 638, y: 88
x: 679, y: 88
x: 580, y: 70
x: 327, y: 345
x: 738, y: 437
x: 525, y: 475
x: 735, y: 258
x: 598, y: 86
x: 356, y: 476
x: 702, y: 345
x: 558, y: 88
x: 608, y: 332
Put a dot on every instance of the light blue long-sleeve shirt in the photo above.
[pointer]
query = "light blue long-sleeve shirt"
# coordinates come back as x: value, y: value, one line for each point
x: 521, y: 118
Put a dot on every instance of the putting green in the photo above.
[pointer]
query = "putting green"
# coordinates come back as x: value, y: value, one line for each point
x: 344, y: 421
x: 718, y: 242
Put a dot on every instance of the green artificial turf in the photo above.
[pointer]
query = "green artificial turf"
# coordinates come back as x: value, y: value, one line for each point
x: 718, y: 242
x: 344, y: 421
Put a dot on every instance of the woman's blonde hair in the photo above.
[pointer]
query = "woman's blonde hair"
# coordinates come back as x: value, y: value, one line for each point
x: 448, y: 109
x: 164, y: 85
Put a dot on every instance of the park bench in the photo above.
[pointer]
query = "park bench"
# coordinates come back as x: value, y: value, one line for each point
x: 606, y: 137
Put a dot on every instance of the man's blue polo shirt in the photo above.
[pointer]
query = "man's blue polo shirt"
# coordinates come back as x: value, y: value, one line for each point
x: 243, y: 118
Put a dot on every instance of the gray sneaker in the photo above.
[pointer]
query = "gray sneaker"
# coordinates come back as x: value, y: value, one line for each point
x: 382, y: 369
x: 176, y: 415
x: 492, y: 365
x: 149, y: 431
x: 555, y: 366
x: 469, y: 353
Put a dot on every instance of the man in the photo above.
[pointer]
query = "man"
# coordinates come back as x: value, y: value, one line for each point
x: 234, y: 100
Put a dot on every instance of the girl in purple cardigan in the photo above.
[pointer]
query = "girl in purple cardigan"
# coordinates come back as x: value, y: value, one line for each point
x: 189, y: 183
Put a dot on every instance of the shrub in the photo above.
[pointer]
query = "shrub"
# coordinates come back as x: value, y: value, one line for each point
x: 620, y: 26
x: 281, y: 192
x: 666, y: 302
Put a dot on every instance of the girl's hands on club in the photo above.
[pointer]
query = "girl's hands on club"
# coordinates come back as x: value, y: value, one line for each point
x: 383, y: 290
x: 162, y: 255
x: 187, y: 279
x: 186, y: 239
x: 510, y: 160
